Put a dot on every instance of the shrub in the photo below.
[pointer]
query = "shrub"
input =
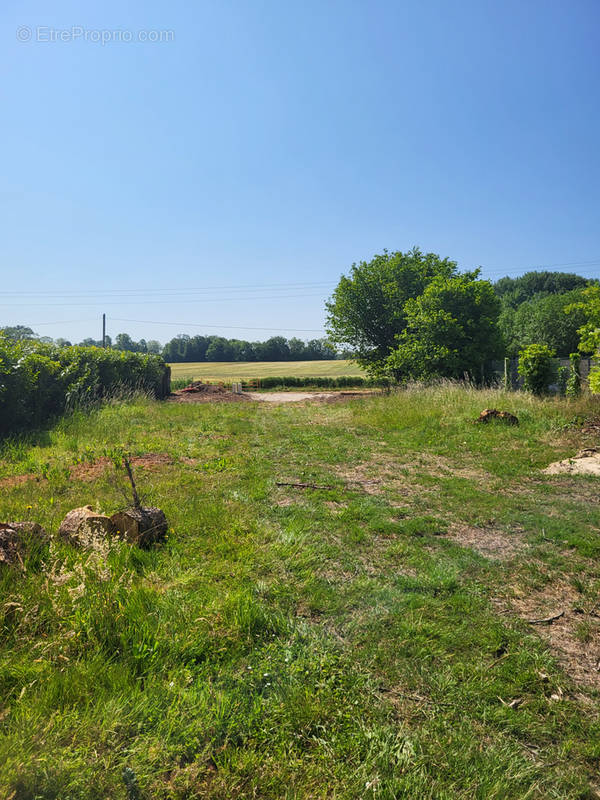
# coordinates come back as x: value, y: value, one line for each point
x: 562, y: 380
x: 594, y: 380
x: 574, y: 382
x: 38, y: 381
x: 295, y: 381
x: 537, y: 368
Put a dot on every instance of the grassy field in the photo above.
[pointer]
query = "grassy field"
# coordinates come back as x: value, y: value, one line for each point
x: 241, y: 370
x: 364, y: 640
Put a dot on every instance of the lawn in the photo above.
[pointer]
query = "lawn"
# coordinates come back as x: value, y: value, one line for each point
x: 369, y: 639
x: 241, y: 370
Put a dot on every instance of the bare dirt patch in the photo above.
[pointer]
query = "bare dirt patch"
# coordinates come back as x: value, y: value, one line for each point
x: 284, y: 502
x: 586, y: 462
x: 297, y: 397
x: 384, y: 471
x: 91, y: 470
x: 198, y: 392
x: 490, y: 542
x: 574, y: 635
x: 335, y: 507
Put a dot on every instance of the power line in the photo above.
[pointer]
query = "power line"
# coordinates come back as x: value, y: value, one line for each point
x: 133, y: 302
x: 74, y: 293
x: 60, y: 322
x: 216, y: 325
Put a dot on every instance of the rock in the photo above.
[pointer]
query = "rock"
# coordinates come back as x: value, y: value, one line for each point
x: 17, y: 539
x: 492, y: 413
x: 141, y: 526
x: 586, y: 462
x: 83, y: 527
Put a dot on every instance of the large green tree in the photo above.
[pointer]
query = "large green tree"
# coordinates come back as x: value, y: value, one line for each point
x: 451, y: 330
x: 367, y: 309
x: 589, y: 332
x: 544, y: 320
x: 589, y: 306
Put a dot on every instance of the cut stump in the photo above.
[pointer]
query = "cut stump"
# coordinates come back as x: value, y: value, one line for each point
x: 83, y: 527
x: 17, y: 538
x: 141, y: 526
x: 492, y: 413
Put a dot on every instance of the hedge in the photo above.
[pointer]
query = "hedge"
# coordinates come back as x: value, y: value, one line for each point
x: 274, y: 381
x: 39, y: 381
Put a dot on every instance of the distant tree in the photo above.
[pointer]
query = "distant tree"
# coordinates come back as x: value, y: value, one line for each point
x: 125, y: 342
x: 60, y: 342
x: 451, y: 330
x: 367, y: 309
x: 247, y: 352
x: 275, y: 349
x: 514, y: 291
x: 219, y: 349
x: 589, y: 306
x: 154, y: 347
x: 544, y: 320
x: 242, y: 350
x: 17, y: 333
x: 319, y: 349
x: 297, y: 349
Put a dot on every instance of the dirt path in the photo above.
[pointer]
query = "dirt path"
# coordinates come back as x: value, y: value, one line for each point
x: 295, y: 397
x: 288, y: 397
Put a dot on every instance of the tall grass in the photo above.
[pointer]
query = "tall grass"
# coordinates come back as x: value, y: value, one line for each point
x: 289, y: 642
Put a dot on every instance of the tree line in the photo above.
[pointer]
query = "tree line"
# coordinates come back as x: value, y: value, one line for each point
x: 413, y: 315
x: 184, y: 348
x: 217, y: 348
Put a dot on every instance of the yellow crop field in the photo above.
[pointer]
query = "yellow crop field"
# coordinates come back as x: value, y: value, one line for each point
x: 242, y: 370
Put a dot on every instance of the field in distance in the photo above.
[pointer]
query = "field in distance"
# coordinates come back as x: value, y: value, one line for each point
x: 240, y: 370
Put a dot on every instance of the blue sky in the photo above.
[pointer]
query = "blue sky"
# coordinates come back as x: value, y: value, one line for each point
x: 228, y: 175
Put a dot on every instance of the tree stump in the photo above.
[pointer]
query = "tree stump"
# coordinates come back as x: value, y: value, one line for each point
x: 83, y: 527
x: 492, y: 413
x: 17, y: 539
x: 141, y: 526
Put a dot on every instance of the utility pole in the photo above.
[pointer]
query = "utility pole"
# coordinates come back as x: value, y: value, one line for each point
x: 103, y: 330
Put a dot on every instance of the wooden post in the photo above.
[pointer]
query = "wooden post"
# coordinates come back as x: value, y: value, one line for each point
x: 103, y: 330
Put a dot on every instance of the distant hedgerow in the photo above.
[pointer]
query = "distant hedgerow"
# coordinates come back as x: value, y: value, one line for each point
x: 298, y: 381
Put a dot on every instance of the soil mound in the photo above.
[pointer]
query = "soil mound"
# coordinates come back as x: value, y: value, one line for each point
x: 586, y: 462
x: 198, y: 392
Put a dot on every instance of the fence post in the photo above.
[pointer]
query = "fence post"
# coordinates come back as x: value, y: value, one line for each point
x: 514, y: 373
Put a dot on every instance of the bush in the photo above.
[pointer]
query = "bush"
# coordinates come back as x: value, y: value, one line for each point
x: 537, y: 368
x: 594, y: 380
x: 39, y: 381
x: 563, y: 380
x: 574, y: 381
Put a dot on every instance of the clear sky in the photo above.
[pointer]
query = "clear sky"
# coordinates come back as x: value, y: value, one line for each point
x: 228, y: 174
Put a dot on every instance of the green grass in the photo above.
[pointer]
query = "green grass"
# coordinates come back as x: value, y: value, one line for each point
x: 288, y: 643
x: 242, y: 370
